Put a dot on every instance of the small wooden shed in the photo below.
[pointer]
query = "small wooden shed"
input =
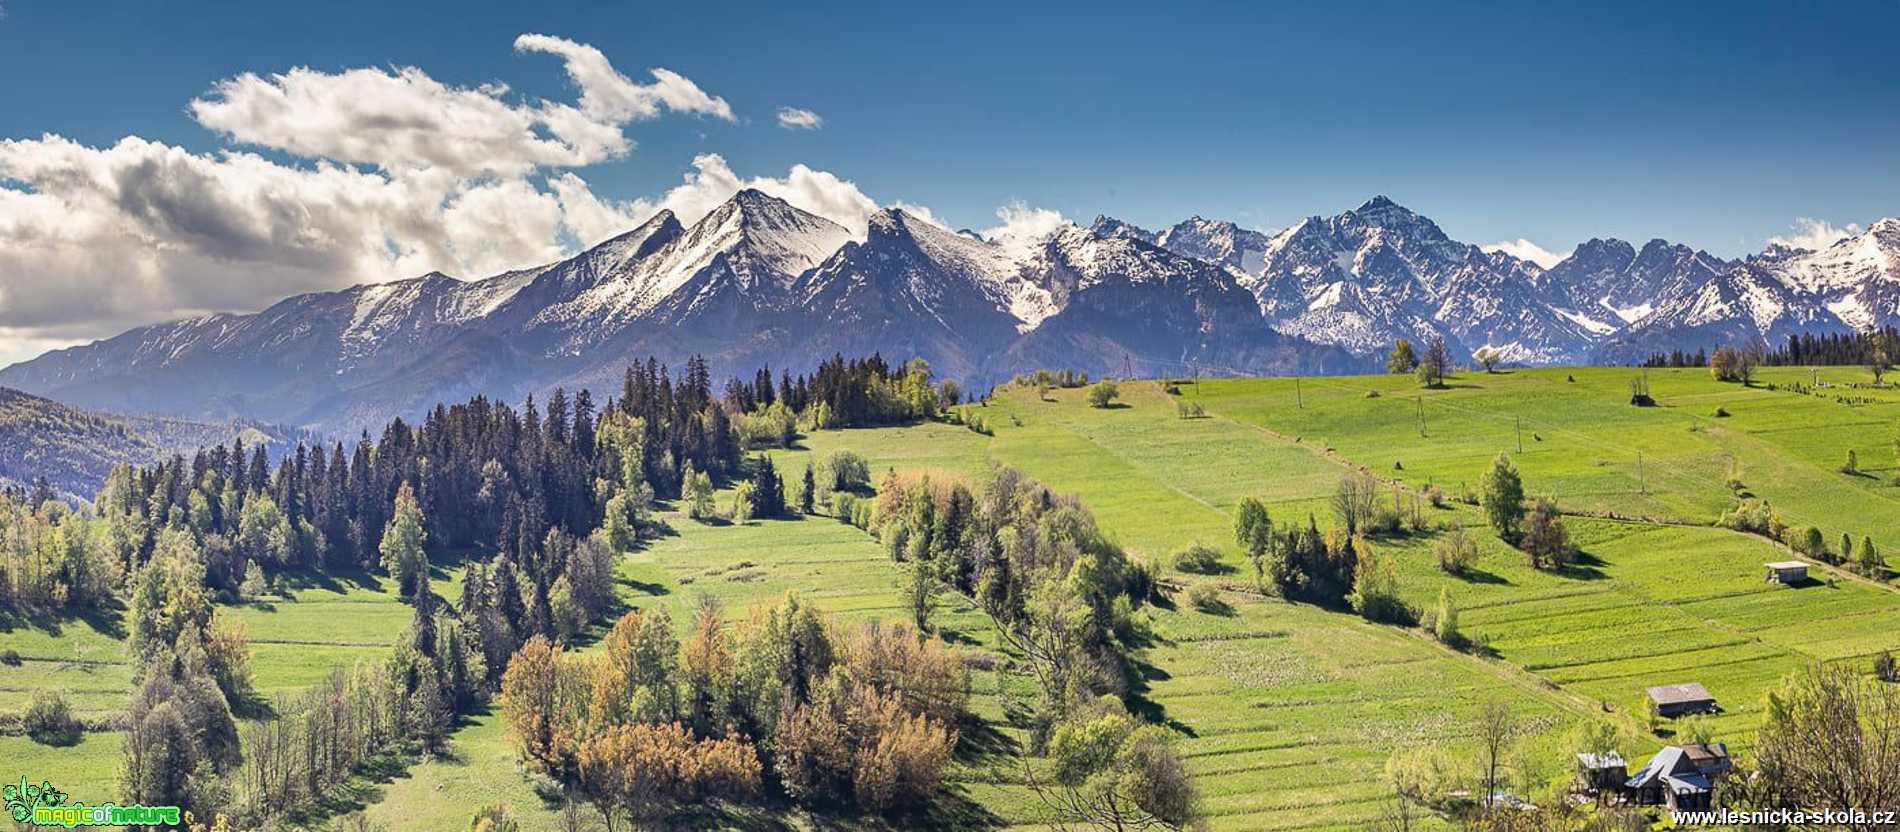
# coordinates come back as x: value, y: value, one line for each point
x: 1787, y: 572
x: 1602, y: 772
x: 1672, y: 701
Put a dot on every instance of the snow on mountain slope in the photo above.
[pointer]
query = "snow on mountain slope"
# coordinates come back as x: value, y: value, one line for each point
x: 1124, y: 304
x: 1381, y: 272
x: 1218, y: 242
x: 1852, y: 285
x: 913, y: 289
x: 1106, y: 226
x: 1608, y: 284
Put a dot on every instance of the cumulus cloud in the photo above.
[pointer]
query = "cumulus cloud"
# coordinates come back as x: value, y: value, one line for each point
x: 1523, y: 249
x: 794, y: 118
x: 712, y: 182
x: 1814, y: 235
x: 338, y: 178
x: 1018, y: 220
x: 608, y: 95
x: 921, y: 212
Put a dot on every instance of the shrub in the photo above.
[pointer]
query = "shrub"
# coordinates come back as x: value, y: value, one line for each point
x: 1812, y: 543
x: 10, y: 657
x: 1386, y: 521
x: 1754, y: 517
x: 1189, y: 410
x: 1456, y: 551
x: 1545, y: 538
x: 1852, y: 465
x: 1435, y: 496
x: 1199, y: 558
x: 1102, y: 393
x: 49, y: 720
x: 1375, y: 589
x: 843, y: 504
x: 1721, y: 413
x: 495, y: 818
x: 849, y: 471
x: 1445, y: 620
x: 1885, y: 669
x: 1207, y: 599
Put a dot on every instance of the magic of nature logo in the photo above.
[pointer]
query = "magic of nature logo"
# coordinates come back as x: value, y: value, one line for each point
x: 41, y: 804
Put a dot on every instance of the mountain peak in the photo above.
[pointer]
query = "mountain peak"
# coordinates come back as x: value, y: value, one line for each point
x: 1106, y: 226
x: 1378, y: 203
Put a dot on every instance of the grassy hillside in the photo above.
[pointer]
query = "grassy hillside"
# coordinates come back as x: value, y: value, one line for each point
x: 1286, y: 712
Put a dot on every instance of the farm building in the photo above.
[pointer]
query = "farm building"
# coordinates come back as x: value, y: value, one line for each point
x: 1787, y: 572
x: 1602, y: 772
x: 1670, y: 701
x: 1680, y: 777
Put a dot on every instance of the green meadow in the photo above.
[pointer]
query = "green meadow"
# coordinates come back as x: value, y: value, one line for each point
x: 1285, y: 712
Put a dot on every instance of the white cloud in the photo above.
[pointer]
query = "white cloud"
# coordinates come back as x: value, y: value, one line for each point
x: 921, y: 212
x: 403, y: 120
x: 401, y: 174
x: 1815, y: 235
x: 1523, y: 249
x: 794, y: 118
x: 712, y: 182
x: 393, y: 174
x: 608, y: 95
x: 1018, y: 220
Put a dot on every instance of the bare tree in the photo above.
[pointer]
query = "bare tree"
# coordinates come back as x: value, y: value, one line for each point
x: 1494, y: 724
x: 1354, y: 500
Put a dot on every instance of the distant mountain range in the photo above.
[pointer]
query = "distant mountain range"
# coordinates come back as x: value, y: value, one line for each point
x: 74, y: 449
x: 759, y: 282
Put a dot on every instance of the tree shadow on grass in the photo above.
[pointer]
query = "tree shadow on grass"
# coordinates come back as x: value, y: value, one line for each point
x: 365, y: 788
x: 979, y: 742
x: 952, y: 635
x: 1583, y: 567
x: 338, y: 579
x: 643, y: 587
x: 1480, y: 576
x: 106, y: 619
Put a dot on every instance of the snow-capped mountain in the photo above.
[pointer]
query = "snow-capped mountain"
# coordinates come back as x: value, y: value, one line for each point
x: 758, y: 281
x: 1607, y: 284
x: 1381, y: 272
x: 912, y: 288
x: 1852, y: 285
x: 1125, y: 303
x: 1217, y: 241
x: 1106, y: 226
x: 271, y: 365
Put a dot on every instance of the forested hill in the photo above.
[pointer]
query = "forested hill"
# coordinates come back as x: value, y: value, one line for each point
x: 74, y: 449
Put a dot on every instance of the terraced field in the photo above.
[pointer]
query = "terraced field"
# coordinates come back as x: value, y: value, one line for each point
x: 1286, y: 712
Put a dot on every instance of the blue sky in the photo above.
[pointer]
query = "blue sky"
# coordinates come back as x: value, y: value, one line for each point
x: 1709, y: 123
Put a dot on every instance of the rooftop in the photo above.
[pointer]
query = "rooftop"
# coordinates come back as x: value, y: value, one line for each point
x: 1669, y: 694
x: 1787, y: 564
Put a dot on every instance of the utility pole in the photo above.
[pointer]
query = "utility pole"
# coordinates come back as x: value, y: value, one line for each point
x: 1421, y: 415
x: 1298, y: 400
x: 1520, y: 434
x: 1642, y: 482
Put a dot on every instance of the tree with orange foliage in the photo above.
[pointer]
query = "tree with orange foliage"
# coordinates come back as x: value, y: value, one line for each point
x: 649, y: 772
x: 900, y: 756
x: 541, y: 697
x: 707, y: 657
